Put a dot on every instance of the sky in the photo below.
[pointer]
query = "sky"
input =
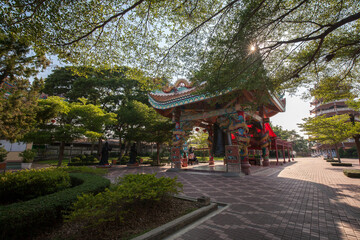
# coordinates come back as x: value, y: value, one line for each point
x: 296, y: 110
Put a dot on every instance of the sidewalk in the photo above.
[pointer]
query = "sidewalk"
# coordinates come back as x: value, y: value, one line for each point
x: 305, y: 199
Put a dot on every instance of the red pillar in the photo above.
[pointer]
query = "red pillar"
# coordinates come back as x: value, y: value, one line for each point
x: 277, y: 155
x: 288, y: 149
x: 283, y: 148
x: 210, y: 145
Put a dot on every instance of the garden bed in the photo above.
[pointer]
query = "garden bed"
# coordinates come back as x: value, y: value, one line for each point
x: 337, y: 164
x: 23, y: 219
x: 353, y: 173
x: 140, y: 221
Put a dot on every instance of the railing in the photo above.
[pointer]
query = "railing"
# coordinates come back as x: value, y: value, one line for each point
x: 321, y: 103
x: 333, y: 110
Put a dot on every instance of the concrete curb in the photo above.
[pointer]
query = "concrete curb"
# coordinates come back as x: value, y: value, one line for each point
x: 171, y: 227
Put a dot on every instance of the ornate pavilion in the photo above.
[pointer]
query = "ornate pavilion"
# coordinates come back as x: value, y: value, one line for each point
x: 233, y: 126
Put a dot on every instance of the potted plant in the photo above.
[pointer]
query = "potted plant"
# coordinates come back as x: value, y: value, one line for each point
x: 27, y: 158
x: 3, y: 154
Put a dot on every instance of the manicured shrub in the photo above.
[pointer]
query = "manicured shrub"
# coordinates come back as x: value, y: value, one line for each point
x: 28, y: 155
x: 353, y: 173
x: 3, y: 154
x: 131, y: 192
x: 337, y: 164
x: 332, y: 160
x: 22, y: 220
x: 28, y: 184
x: 75, y: 160
x: 83, y: 160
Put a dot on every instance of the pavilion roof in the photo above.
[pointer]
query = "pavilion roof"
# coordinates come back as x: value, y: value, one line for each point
x: 183, y: 93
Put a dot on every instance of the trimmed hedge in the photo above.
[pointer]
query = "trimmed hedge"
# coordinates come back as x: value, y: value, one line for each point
x: 132, y: 191
x: 354, y: 173
x: 341, y: 164
x: 28, y: 184
x: 332, y: 160
x: 20, y: 220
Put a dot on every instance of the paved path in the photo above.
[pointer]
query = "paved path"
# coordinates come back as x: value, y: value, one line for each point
x: 306, y: 199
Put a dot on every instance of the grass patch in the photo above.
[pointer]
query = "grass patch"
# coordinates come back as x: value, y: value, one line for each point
x: 353, y: 173
x: 337, y: 164
x: 53, y: 162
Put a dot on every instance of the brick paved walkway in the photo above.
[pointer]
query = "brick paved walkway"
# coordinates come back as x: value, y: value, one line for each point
x: 306, y: 199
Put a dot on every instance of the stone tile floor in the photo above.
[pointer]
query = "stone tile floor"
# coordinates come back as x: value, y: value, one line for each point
x: 305, y: 199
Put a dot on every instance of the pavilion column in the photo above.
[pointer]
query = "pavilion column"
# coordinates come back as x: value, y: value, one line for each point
x: 277, y: 154
x: 210, y: 145
x: 264, y: 147
x: 288, y: 152
x: 264, y: 142
x: 283, y: 150
x: 243, y: 141
x: 178, y: 141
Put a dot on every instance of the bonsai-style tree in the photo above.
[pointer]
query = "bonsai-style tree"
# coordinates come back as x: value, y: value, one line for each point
x: 159, y: 130
x: 28, y: 155
x: 70, y: 121
x: 330, y: 130
x: 3, y: 154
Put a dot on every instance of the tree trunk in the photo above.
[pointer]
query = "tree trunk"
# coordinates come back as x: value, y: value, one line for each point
x: 127, y: 147
x: 92, y: 147
x: 99, y: 148
x: 337, y: 152
x: 61, y: 153
x: 357, y: 142
x: 120, y: 150
x: 158, y: 153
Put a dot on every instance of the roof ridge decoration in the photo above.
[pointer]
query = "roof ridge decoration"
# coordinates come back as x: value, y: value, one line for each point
x: 168, y: 89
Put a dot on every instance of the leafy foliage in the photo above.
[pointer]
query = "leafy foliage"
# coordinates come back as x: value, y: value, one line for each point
x: 21, y: 220
x: 132, y: 191
x: 28, y: 155
x: 330, y: 130
x: 18, y: 109
x: 72, y: 120
x: 3, y: 154
x: 300, y: 145
x: 28, y: 184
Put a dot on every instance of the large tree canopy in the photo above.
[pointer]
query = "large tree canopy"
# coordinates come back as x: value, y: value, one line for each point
x: 297, y: 41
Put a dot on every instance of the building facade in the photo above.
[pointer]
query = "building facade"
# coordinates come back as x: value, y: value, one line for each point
x: 330, y: 109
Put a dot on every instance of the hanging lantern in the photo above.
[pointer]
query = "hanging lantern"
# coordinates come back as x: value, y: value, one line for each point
x: 53, y: 121
x: 204, y: 130
x: 197, y: 129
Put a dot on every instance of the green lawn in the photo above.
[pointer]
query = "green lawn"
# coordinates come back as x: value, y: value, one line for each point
x: 53, y: 162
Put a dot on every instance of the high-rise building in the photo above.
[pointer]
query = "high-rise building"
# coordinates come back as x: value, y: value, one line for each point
x: 331, y: 109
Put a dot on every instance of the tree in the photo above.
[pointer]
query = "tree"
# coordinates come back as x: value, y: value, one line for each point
x: 18, y: 97
x: 300, y: 145
x: 18, y: 107
x: 131, y: 121
x: 16, y: 59
x: 330, y: 130
x: 70, y: 121
x: 298, y: 42
x: 106, y: 87
x: 158, y: 129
